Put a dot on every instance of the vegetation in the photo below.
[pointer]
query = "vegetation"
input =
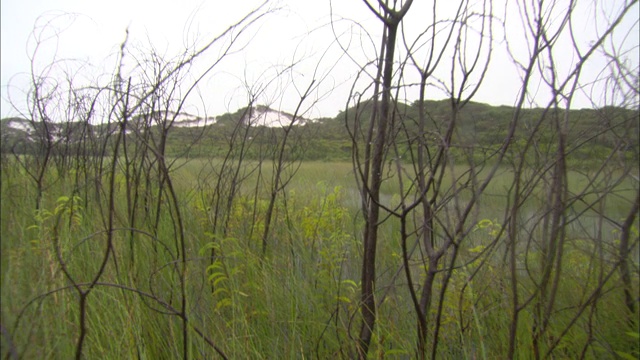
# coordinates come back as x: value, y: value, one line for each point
x: 423, y: 229
x: 299, y: 299
x: 481, y: 126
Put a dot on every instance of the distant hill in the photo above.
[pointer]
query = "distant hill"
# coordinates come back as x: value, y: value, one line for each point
x: 328, y: 138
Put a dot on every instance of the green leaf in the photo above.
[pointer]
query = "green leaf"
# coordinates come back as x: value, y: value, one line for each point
x: 633, y: 334
x: 63, y: 199
x: 215, y: 266
x: 219, y: 280
x: 350, y: 282
x: 220, y: 291
x: 625, y: 355
x: 484, y: 223
x: 208, y: 246
x: 223, y: 303
x: 216, y: 275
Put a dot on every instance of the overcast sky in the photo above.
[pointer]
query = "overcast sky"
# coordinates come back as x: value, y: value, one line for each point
x: 90, y: 33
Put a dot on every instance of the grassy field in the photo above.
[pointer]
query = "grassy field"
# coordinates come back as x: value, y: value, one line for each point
x: 153, y: 280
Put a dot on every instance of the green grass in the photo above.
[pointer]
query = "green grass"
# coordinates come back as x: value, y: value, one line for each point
x: 301, y: 299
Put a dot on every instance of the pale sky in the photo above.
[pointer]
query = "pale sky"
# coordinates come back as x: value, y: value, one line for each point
x: 89, y: 35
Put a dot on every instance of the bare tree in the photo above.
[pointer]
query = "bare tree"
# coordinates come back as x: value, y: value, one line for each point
x: 137, y: 105
x: 442, y: 174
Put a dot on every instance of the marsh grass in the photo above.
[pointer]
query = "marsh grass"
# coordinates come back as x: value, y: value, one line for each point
x: 301, y: 299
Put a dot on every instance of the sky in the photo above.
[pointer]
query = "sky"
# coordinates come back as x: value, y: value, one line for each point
x: 84, y: 37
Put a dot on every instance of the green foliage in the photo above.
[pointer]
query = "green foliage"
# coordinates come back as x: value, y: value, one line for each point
x: 71, y: 207
x: 481, y: 130
x: 254, y: 296
x: 301, y: 299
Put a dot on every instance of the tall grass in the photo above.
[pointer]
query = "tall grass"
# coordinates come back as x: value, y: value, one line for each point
x: 301, y: 299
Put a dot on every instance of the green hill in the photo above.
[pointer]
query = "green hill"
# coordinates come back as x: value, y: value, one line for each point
x: 592, y: 133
